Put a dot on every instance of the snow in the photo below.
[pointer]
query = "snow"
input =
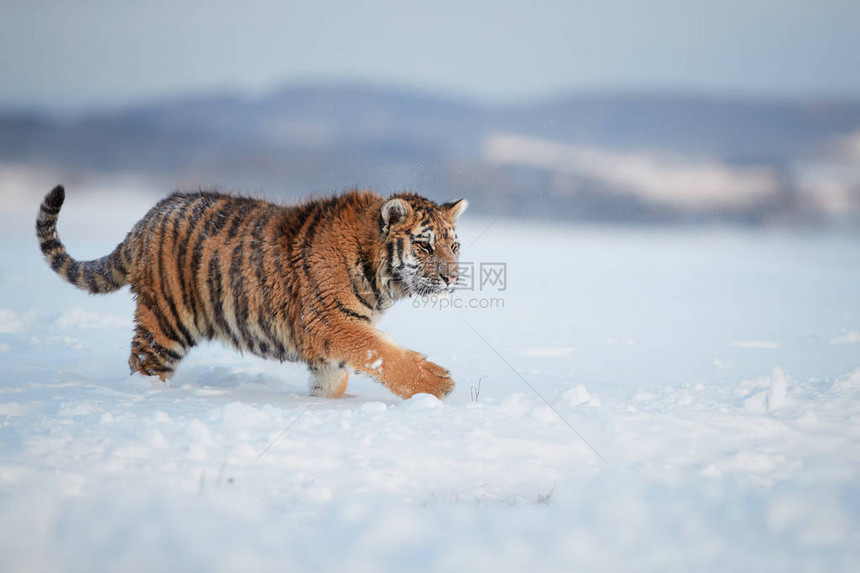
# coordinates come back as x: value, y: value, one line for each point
x: 12, y: 322
x: 757, y: 344
x: 547, y: 352
x: 846, y: 337
x: 577, y: 395
x: 86, y: 320
x: 719, y: 455
x: 777, y: 393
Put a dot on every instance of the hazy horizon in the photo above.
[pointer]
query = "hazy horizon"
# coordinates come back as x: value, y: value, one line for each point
x: 323, y: 83
x: 72, y: 58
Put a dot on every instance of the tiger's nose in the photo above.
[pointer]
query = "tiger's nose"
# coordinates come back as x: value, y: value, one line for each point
x: 449, y: 278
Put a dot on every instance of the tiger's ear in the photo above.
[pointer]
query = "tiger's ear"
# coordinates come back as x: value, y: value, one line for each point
x: 455, y: 208
x: 394, y: 211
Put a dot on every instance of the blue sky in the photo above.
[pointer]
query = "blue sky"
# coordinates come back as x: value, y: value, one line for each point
x: 77, y: 55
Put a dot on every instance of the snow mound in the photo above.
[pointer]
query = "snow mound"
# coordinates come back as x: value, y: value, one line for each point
x: 846, y: 337
x: 547, y: 352
x: 848, y: 381
x: 423, y: 402
x: 775, y: 395
x: 11, y: 322
x: 374, y: 407
x: 757, y: 344
x: 89, y: 320
x: 576, y: 396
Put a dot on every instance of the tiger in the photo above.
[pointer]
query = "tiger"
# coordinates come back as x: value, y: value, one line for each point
x: 299, y: 283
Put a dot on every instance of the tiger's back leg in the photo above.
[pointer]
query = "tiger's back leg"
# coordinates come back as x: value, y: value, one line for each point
x: 156, y: 348
x: 328, y: 379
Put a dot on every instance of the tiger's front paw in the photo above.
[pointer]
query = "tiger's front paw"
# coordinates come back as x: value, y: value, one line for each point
x: 430, y: 378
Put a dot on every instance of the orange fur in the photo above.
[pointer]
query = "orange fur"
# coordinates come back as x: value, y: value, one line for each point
x: 293, y: 283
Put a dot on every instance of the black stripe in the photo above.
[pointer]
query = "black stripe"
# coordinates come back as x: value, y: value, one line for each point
x: 216, y: 294
x: 258, y: 258
x: 320, y: 300
x: 246, y: 207
x: 49, y: 210
x: 125, y: 252
x: 306, y: 264
x: 116, y: 260
x: 105, y: 269
x: 163, y: 325
x: 72, y: 271
x: 181, y: 246
x: 265, y: 311
x: 174, y: 231
x: 89, y: 276
x: 349, y: 312
x: 157, y: 361
x: 158, y: 348
x: 45, y: 227
x: 390, y: 258
x: 160, y: 369
x: 358, y: 295
x: 212, y: 222
x: 215, y: 224
x: 50, y: 245
x: 168, y: 353
x: 310, y: 232
x: 100, y: 268
x: 58, y: 260
x: 370, y: 277
x: 190, y: 293
x: 240, y: 298
x: 155, y: 366
x: 282, y: 311
x: 304, y: 238
x: 148, y: 223
x: 165, y: 291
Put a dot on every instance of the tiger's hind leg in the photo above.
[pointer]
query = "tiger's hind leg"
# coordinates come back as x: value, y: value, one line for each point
x: 328, y: 379
x: 154, y: 353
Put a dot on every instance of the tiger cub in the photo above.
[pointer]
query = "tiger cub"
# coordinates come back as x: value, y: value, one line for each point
x: 301, y: 283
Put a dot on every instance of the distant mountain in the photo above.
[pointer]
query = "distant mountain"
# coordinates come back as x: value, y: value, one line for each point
x: 317, y: 138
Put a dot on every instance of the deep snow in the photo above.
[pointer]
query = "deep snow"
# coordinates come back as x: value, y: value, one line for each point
x: 716, y: 372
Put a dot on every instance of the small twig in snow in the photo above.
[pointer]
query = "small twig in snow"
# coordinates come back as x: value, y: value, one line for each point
x: 475, y: 392
x: 543, y: 498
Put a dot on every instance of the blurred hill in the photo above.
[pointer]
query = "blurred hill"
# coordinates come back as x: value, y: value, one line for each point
x: 595, y: 157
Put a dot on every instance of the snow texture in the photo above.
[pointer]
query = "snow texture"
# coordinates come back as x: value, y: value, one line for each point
x: 674, y: 447
x: 846, y: 338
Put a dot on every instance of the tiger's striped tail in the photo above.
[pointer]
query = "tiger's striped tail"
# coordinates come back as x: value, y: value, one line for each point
x: 103, y: 275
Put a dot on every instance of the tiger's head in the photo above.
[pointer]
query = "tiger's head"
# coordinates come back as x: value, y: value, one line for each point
x: 421, y: 245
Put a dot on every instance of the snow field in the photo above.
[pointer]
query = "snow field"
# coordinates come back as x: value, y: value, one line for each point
x: 717, y: 372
